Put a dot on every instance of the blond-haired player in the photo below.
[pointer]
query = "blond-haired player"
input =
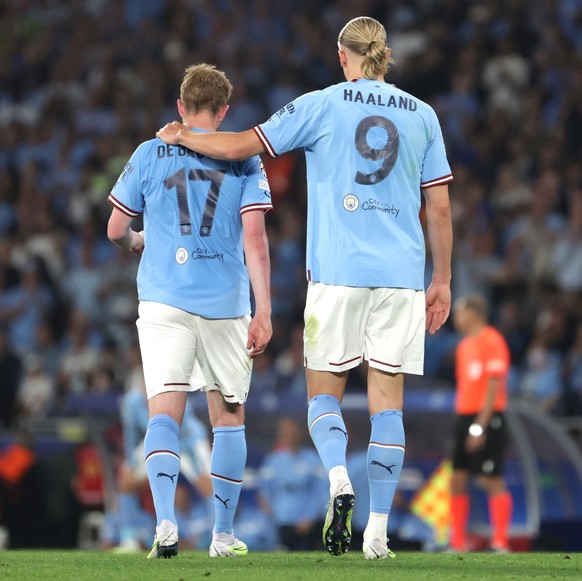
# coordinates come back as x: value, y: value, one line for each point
x: 371, y: 151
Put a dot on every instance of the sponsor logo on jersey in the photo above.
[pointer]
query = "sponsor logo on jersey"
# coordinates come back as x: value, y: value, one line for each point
x: 181, y: 255
x: 378, y: 206
x: 205, y: 254
x: 351, y: 203
x: 264, y: 185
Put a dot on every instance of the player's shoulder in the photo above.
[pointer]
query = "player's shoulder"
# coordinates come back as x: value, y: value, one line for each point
x: 422, y: 107
x: 492, y: 337
x: 150, y: 145
x: 146, y: 149
x: 250, y: 163
x: 320, y: 96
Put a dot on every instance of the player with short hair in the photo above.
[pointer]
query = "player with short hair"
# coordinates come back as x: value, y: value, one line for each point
x: 203, y: 220
x: 482, y: 363
x: 371, y: 149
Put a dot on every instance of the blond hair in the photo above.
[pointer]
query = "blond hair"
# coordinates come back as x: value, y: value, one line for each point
x: 205, y: 88
x: 366, y: 37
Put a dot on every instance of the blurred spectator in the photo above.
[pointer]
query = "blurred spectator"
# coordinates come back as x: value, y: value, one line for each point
x: 80, y: 358
x: 294, y: 489
x: 36, y: 391
x: 10, y: 377
x: 567, y: 255
x: 23, y: 307
x: 574, y: 372
x: 542, y: 383
x: 289, y: 365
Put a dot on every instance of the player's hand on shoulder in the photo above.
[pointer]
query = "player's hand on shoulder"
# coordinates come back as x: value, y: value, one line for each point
x: 169, y: 132
x: 438, y: 306
x: 260, y: 332
x: 137, y: 243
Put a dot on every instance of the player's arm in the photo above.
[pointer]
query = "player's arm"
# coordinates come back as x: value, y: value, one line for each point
x: 120, y: 233
x: 484, y: 416
x: 440, y: 236
x: 218, y: 145
x: 256, y: 247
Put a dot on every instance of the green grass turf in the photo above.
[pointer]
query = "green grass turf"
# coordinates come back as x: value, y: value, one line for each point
x: 81, y: 565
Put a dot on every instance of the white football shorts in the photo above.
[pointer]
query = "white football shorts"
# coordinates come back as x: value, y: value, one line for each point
x: 172, y: 341
x: 344, y: 325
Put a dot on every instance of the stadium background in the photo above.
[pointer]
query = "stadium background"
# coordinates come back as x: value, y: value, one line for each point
x: 81, y: 85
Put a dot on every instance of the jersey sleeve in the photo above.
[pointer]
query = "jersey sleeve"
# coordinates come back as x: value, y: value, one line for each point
x: 127, y: 193
x: 435, y: 168
x: 256, y: 194
x: 295, y: 125
x: 496, y: 360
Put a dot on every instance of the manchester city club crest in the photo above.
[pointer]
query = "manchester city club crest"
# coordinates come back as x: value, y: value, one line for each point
x: 181, y: 255
x: 351, y: 203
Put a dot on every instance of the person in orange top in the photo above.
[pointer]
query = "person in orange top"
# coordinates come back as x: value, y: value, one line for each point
x: 482, y: 366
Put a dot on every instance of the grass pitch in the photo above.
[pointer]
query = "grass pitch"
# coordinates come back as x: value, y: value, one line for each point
x: 319, y: 566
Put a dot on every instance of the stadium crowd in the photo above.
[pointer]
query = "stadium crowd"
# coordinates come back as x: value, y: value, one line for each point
x: 81, y: 84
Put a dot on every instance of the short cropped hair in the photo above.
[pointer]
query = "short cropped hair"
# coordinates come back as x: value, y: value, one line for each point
x: 475, y: 303
x: 205, y: 88
x: 366, y: 37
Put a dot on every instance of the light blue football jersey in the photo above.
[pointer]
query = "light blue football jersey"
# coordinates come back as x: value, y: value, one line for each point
x: 192, y: 206
x: 369, y: 148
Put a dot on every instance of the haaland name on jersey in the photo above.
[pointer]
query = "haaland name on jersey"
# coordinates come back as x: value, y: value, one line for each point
x: 391, y: 101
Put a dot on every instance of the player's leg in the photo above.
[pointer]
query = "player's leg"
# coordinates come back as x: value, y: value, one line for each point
x: 499, y: 498
x: 394, y: 346
x: 162, y: 458
x: 460, y: 509
x: 500, y: 508
x: 227, y: 367
x: 385, y: 456
x: 333, y: 339
x: 463, y: 465
x: 167, y: 345
x: 330, y: 437
x: 128, y: 508
x: 326, y: 425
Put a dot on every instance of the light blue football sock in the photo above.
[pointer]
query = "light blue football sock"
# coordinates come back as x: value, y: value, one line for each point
x: 128, y: 507
x: 328, y: 431
x: 385, y: 458
x: 162, y: 454
x: 227, y: 465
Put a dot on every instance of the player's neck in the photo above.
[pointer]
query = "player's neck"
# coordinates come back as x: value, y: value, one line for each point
x: 202, y: 120
x: 476, y: 329
x: 355, y: 73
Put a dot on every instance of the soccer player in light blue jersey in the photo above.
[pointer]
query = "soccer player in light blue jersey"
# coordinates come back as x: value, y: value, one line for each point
x: 371, y: 151
x: 203, y: 220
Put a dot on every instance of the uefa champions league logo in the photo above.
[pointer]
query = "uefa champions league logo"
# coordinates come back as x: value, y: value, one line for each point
x: 351, y: 203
